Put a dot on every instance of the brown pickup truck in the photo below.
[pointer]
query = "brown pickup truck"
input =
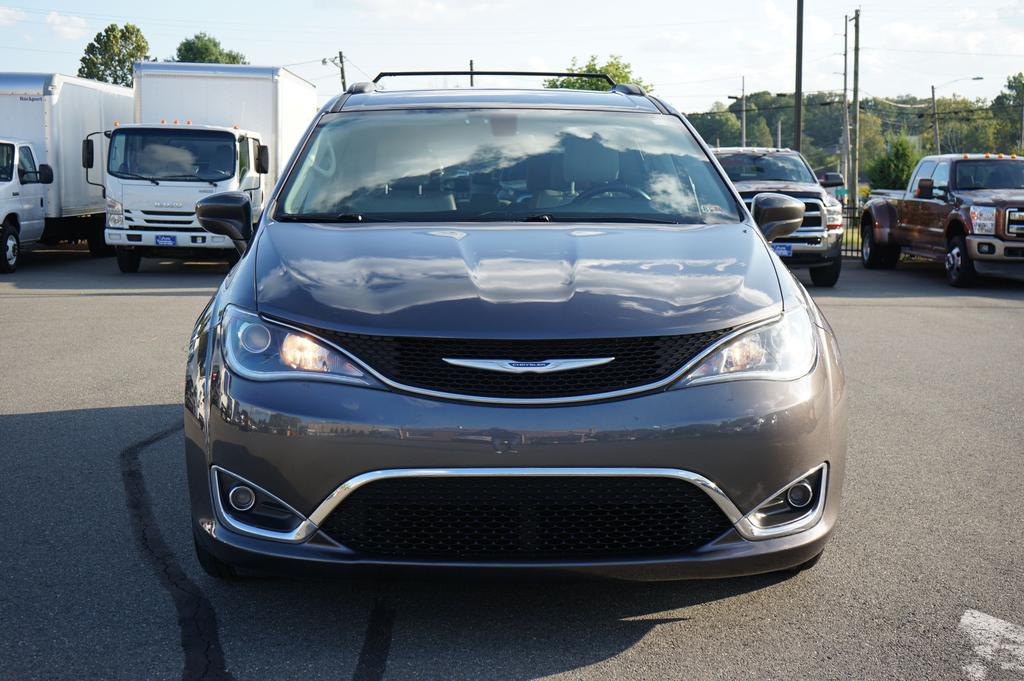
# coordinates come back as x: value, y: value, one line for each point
x: 966, y: 210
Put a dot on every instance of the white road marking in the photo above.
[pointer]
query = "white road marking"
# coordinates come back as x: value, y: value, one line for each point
x: 996, y: 643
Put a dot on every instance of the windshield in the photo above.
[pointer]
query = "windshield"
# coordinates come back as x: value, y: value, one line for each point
x: 474, y: 165
x: 6, y: 162
x: 172, y: 154
x: 995, y: 174
x: 751, y: 167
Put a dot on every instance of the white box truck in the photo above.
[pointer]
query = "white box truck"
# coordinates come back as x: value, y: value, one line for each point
x: 198, y: 129
x: 44, y: 196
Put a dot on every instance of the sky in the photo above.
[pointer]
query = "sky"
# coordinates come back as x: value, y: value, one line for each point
x: 694, y: 53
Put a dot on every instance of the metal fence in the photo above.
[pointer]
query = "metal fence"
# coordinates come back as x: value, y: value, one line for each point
x: 851, y: 235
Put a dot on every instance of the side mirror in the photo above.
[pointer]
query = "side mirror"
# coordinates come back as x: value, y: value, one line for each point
x: 88, y: 154
x: 925, y: 188
x: 228, y: 214
x: 45, y: 173
x: 777, y: 215
x: 833, y: 180
x: 262, y: 159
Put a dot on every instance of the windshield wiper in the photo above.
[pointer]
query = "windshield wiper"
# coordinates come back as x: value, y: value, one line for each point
x: 190, y: 177
x: 331, y: 217
x: 136, y: 176
x: 597, y: 217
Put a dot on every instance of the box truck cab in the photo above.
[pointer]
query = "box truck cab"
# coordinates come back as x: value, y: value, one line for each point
x: 22, y: 198
x: 155, y: 176
x: 44, y: 195
x: 198, y: 129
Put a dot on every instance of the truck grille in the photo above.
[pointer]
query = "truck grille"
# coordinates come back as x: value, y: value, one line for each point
x: 525, y: 518
x: 1015, y: 222
x: 814, y: 210
x: 162, y: 220
x: 418, y: 362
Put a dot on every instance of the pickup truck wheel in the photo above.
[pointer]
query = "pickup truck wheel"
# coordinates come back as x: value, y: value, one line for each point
x: 959, y: 266
x: 128, y: 260
x: 829, y: 274
x: 875, y: 256
x: 11, y: 249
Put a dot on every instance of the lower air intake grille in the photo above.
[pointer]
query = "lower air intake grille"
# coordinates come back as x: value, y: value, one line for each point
x: 418, y: 362
x: 525, y: 518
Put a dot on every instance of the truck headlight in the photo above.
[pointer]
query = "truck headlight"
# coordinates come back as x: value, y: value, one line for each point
x: 262, y: 351
x: 983, y: 219
x: 782, y: 350
x: 833, y: 213
x: 115, y: 213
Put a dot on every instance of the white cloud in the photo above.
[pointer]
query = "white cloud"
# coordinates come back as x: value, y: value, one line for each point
x: 66, y: 26
x: 10, y: 16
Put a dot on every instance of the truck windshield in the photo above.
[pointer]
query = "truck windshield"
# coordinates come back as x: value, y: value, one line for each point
x: 752, y: 167
x: 172, y: 154
x: 992, y: 174
x: 479, y: 165
x: 6, y: 162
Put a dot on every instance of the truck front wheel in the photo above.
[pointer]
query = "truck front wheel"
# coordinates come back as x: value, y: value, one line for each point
x: 829, y: 274
x: 128, y: 260
x: 959, y: 266
x: 11, y: 248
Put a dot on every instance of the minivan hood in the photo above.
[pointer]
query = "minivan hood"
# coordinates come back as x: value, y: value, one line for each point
x: 515, y: 280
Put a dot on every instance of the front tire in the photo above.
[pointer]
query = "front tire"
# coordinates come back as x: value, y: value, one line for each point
x: 128, y: 260
x: 828, y: 275
x: 960, y: 271
x: 10, y: 248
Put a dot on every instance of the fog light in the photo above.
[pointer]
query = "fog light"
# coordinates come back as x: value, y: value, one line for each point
x: 987, y: 249
x: 241, y: 498
x: 800, y: 494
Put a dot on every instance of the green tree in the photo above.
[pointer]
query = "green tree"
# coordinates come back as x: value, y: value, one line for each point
x: 1008, y: 112
x: 758, y: 134
x: 110, y: 55
x: 203, y: 48
x: 719, y: 127
x: 619, y: 70
x: 893, y: 170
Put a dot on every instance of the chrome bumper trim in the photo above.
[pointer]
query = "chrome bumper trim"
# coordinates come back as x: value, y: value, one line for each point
x: 1000, y: 246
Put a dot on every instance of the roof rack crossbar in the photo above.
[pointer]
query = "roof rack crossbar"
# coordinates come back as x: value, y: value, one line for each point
x: 548, y: 74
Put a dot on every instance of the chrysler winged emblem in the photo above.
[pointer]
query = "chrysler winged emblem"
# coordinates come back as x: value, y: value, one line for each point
x: 511, y: 366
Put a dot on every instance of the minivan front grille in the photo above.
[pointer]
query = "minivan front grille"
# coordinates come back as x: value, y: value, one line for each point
x: 418, y: 362
x: 525, y: 518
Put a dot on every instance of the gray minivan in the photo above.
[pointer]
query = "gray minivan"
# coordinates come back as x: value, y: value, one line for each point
x: 506, y: 330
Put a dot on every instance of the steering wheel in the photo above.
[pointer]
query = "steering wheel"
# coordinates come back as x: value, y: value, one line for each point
x: 612, y: 188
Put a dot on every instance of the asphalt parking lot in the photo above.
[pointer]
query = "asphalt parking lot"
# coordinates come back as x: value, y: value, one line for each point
x: 922, y: 580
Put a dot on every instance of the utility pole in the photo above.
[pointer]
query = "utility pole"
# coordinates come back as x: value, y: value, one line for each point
x: 778, y: 132
x: 470, y: 73
x: 935, y: 122
x: 743, y: 101
x: 1022, y: 121
x: 340, y: 63
x: 846, y: 102
x: 855, y: 151
x: 799, y: 95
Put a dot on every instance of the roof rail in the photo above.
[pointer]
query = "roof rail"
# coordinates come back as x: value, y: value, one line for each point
x: 548, y: 74
x: 629, y: 89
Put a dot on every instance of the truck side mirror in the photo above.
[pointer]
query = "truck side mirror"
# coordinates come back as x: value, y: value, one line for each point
x: 228, y: 214
x: 833, y: 180
x: 777, y: 215
x: 262, y: 159
x: 88, y: 154
x: 925, y: 188
x: 45, y: 173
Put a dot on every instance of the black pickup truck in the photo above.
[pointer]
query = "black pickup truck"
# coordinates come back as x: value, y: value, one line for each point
x: 966, y: 210
x: 817, y: 244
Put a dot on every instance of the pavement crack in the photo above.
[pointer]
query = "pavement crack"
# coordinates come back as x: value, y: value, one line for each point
x: 373, y: 657
x: 197, y: 622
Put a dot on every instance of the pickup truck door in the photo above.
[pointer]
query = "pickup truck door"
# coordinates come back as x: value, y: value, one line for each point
x: 932, y: 233
x: 30, y: 191
x: 914, y: 212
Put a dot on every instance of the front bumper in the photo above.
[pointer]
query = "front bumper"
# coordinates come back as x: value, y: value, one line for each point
x: 163, y: 239
x: 995, y: 257
x: 302, y: 441
x: 813, y: 247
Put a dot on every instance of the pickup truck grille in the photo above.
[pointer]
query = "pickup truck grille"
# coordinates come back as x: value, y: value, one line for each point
x: 1015, y: 222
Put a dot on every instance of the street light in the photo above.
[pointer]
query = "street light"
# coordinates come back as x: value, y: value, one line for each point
x: 935, y: 108
x: 742, y: 99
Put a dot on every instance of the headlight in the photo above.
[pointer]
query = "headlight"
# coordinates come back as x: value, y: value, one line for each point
x: 115, y: 213
x: 262, y: 351
x: 781, y: 351
x: 833, y: 213
x: 983, y: 219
